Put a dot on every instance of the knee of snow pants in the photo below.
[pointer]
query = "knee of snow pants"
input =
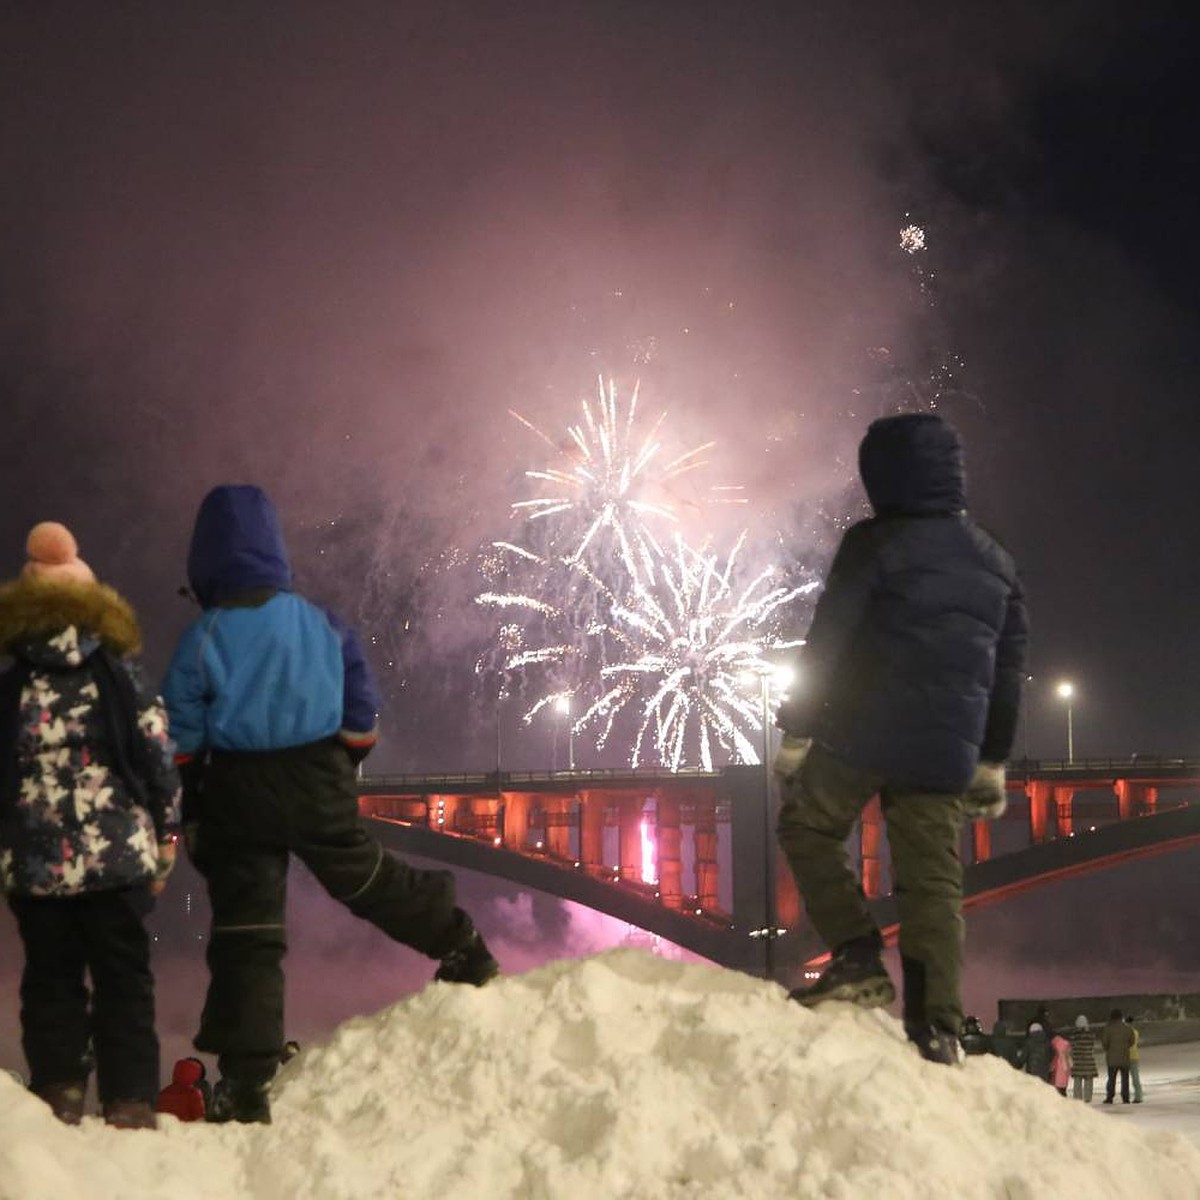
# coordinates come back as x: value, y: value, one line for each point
x: 412, y: 906
x: 821, y: 802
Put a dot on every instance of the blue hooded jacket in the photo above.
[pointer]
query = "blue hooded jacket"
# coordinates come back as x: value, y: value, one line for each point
x: 263, y: 668
x: 914, y: 659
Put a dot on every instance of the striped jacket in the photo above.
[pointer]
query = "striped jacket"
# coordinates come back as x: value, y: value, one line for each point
x: 1083, y: 1054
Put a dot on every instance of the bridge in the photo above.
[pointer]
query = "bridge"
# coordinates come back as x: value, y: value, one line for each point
x: 658, y: 849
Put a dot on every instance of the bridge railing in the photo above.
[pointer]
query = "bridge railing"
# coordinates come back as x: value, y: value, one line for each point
x: 499, y: 778
x: 1133, y: 764
x: 1018, y: 769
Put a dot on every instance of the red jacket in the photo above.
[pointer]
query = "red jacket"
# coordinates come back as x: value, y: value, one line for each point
x: 181, y: 1097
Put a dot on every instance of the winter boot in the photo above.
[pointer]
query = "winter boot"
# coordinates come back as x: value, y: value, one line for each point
x: 130, y: 1114
x: 65, y: 1099
x: 935, y: 1044
x: 240, y: 1100
x: 855, y: 974
x: 471, y: 963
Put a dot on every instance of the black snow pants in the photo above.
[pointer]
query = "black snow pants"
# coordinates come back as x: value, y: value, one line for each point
x: 251, y: 811
x: 102, y: 934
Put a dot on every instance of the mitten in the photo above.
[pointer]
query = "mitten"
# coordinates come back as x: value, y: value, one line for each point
x: 984, y: 799
x: 790, y: 755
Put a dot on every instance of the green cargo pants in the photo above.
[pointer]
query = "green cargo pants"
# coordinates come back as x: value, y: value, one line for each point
x: 820, y: 806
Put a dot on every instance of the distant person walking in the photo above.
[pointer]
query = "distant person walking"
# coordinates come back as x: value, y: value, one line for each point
x: 274, y: 706
x: 1083, y: 1059
x: 89, y: 807
x: 1035, y: 1052
x: 1135, y: 1067
x: 1041, y: 1017
x: 1060, y: 1062
x: 1117, y: 1038
x: 912, y: 676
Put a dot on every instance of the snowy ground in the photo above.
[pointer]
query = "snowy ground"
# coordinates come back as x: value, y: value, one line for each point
x: 625, y: 1075
x: 1171, y: 1086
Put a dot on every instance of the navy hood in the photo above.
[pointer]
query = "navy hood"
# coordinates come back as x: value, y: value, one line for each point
x: 237, y: 545
x: 913, y: 464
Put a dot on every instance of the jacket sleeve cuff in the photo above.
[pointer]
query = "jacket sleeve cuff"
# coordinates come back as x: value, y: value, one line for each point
x: 358, y: 737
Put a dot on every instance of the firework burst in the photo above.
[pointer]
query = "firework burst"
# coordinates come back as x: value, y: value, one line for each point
x: 691, y: 644
x: 610, y: 487
x: 605, y: 617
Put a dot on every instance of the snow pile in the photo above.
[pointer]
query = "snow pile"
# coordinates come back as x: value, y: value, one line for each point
x: 622, y: 1075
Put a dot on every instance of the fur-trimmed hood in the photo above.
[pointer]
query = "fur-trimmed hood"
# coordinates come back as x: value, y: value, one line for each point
x: 33, y: 610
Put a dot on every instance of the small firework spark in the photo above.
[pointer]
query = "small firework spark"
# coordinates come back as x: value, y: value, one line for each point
x: 691, y: 645
x: 912, y: 239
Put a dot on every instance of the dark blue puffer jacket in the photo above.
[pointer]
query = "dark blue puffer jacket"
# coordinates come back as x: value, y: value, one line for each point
x: 263, y: 668
x: 914, y: 660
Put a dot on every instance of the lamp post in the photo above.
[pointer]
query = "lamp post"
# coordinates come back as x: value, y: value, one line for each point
x: 500, y: 698
x: 562, y: 705
x: 781, y: 676
x: 1066, y: 693
x: 1025, y: 719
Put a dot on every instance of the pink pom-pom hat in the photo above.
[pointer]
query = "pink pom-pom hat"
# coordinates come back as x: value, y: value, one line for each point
x: 54, y: 555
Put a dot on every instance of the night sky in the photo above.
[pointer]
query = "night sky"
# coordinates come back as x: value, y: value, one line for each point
x: 325, y: 248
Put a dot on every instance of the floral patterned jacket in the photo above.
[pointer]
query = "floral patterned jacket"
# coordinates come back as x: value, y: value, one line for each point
x: 78, y: 813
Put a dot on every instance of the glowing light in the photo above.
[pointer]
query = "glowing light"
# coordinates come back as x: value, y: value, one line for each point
x: 1065, y: 690
x: 649, y: 867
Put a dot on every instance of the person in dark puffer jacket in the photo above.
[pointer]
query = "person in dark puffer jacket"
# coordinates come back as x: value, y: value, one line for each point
x: 273, y: 708
x: 89, y: 808
x: 909, y: 686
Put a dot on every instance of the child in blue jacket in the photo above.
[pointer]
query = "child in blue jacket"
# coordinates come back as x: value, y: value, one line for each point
x: 272, y: 707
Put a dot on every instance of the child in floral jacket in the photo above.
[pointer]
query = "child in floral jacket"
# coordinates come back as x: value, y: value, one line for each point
x: 89, y: 808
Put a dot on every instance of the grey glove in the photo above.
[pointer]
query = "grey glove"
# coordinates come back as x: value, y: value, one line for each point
x: 984, y: 799
x: 790, y: 755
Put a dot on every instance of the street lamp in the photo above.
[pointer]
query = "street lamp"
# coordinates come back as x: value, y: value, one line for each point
x: 781, y: 677
x: 562, y: 705
x: 501, y: 696
x: 1066, y: 692
x: 1025, y: 718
